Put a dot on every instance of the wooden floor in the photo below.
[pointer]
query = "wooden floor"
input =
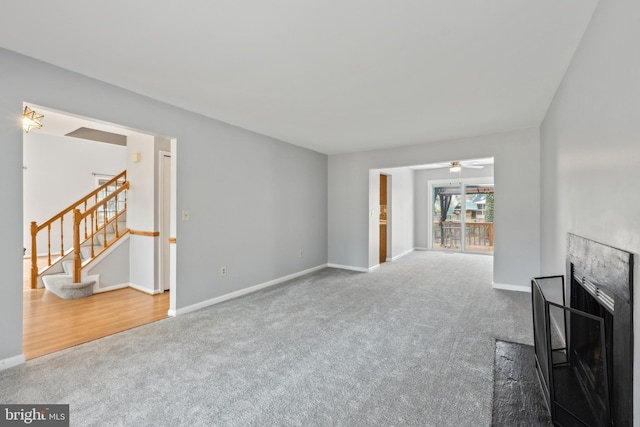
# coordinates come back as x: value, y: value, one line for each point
x: 52, y: 323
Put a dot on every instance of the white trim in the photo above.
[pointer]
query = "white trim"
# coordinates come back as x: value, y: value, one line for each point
x: 352, y: 268
x: 164, y: 232
x: 111, y: 288
x: 92, y: 278
x: 397, y: 257
x: 517, y: 288
x: 10, y: 362
x: 242, y: 292
x: 420, y: 249
x: 145, y: 290
x: 127, y: 285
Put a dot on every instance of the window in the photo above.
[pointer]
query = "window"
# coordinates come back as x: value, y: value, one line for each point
x: 461, y: 215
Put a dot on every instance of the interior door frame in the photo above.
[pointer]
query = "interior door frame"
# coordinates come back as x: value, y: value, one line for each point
x: 462, y: 182
x: 387, y: 237
x: 165, y: 231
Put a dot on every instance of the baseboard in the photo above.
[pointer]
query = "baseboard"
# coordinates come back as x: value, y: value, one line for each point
x: 397, y: 257
x: 352, y: 268
x: 127, y: 285
x: 10, y: 362
x: 516, y: 288
x: 145, y: 290
x: 242, y: 292
x: 420, y: 249
x: 111, y: 288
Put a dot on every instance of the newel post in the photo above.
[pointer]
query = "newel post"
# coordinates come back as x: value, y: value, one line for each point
x: 77, y: 262
x: 34, y: 255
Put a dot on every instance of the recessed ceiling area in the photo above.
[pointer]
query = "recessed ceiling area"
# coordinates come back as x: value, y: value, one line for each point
x: 99, y: 136
x: 332, y: 76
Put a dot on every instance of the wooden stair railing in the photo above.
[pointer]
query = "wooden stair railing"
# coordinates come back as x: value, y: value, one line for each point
x: 59, y: 218
x: 79, y: 217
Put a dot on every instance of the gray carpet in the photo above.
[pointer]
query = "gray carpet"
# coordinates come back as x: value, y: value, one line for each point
x: 410, y: 344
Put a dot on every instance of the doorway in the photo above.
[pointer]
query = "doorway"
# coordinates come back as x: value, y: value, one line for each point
x: 461, y: 215
x: 165, y: 220
x: 383, y: 218
x: 79, y: 159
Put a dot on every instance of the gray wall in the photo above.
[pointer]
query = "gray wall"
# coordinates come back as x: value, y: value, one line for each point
x: 590, y: 147
x: 254, y: 201
x: 517, y: 181
x: 114, y: 268
x: 422, y: 196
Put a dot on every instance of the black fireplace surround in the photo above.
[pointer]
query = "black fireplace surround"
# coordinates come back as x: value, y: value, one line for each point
x: 584, y: 351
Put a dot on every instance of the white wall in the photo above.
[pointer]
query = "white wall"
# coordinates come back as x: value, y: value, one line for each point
x: 590, y: 146
x: 517, y: 181
x: 142, y: 211
x: 423, y: 198
x: 254, y: 201
x: 59, y: 171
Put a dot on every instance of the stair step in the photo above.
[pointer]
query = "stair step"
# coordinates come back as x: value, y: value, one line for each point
x: 121, y: 226
x: 85, y: 251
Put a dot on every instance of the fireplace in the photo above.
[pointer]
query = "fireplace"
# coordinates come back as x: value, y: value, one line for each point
x: 584, y: 350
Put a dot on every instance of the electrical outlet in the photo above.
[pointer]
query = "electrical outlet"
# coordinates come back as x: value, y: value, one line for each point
x: 223, y: 271
x: 185, y: 215
x: 300, y: 253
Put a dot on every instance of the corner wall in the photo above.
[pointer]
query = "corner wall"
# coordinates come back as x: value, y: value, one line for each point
x: 590, y: 148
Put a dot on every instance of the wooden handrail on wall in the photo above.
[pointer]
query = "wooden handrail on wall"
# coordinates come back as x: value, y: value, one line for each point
x: 89, y: 229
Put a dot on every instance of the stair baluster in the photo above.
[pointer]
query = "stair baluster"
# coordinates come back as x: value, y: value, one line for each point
x: 91, y: 227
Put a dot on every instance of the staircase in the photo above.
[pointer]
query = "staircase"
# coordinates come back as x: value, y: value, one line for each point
x: 104, y: 237
x: 98, y: 222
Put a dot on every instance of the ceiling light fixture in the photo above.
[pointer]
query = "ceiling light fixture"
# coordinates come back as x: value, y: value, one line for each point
x: 455, y: 167
x: 30, y: 119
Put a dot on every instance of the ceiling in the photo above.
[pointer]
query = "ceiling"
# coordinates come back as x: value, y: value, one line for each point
x: 332, y: 76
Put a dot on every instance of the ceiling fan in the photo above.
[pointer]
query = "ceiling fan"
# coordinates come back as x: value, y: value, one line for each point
x: 458, y: 166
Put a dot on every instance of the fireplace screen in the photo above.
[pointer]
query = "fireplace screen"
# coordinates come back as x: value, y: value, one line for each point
x: 571, y: 357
